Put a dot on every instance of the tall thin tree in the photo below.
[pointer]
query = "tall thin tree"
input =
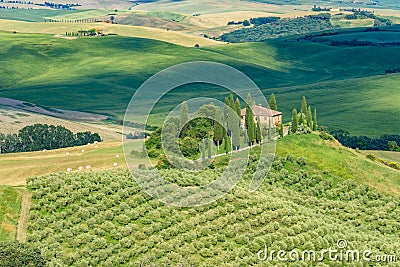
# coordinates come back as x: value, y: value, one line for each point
x: 272, y: 102
x: 295, y: 125
x: 315, y: 125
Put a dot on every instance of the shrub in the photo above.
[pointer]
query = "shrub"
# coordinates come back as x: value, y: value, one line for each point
x: 394, y: 165
x: 302, y: 161
x: 326, y: 136
x: 289, y: 157
x: 371, y: 157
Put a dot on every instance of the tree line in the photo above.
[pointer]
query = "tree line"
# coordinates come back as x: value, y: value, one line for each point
x: 42, y: 136
x: 384, y: 142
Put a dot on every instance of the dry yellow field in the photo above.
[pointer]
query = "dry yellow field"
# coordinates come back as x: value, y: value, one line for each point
x: 12, y: 120
x: 178, y: 38
x: 15, y: 168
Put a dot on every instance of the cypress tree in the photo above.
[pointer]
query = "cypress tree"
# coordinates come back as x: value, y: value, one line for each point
x: 309, y: 117
x: 295, y: 125
x: 226, y: 108
x: 249, y: 123
x: 258, y: 132
x: 315, y: 125
x: 301, y: 120
x: 272, y: 102
x: 237, y: 107
x: 281, y: 130
x: 232, y: 121
x: 218, y: 128
x: 227, y: 144
x: 236, y: 133
x: 304, y: 105
x: 231, y: 101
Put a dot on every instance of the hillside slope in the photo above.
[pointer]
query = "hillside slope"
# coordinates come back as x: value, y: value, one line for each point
x: 107, y: 220
x: 344, y: 83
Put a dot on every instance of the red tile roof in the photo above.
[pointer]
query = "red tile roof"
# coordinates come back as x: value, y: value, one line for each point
x: 261, y: 111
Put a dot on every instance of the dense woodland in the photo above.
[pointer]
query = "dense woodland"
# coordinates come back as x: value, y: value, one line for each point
x: 385, y: 142
x: 13, y: 254
x: 42, y: 136
x: 271, y: 27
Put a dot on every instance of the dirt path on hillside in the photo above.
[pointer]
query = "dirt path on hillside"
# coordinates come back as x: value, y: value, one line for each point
x: 24, y: 216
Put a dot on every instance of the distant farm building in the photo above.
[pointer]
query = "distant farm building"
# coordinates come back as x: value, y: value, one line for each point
x: 264, y: 115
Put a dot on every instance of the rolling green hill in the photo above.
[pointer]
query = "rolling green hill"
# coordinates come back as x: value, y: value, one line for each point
x: 298, y: 207
x: 35, y: 15
x: 101, y: 74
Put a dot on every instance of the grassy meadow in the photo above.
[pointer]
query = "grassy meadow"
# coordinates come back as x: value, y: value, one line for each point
x: 333, y: 159
x: 101, y: 74
x: 10, y: 206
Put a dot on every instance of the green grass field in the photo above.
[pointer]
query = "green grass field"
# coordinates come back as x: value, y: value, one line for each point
x: 344, y: 83
x: 10, y: 206
x: 375, y: 37
x: 338, y: 161
x: 36, y: 15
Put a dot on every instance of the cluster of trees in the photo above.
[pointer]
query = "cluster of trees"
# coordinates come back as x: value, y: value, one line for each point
x: 364, y: 43
x: 104, y: 218
x: 303, y: 121
x: 15, y: 254
x: 318, y: 8
x: 239, y: 23
x: 279, y: 27
x: 223, y: 127
x: 255, y: 21
x: 59, y: 6
x: 42, y: 136
x: 17, y: 2
x: 7, y: 7
x: 263, y: 20
x: 385, y: 142
x: 136, y: 135
x: 396, y: 70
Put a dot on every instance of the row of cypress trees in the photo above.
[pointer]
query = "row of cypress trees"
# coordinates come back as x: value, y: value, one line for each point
x: 303, y: 121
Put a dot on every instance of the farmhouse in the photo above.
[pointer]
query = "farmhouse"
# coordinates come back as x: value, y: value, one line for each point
x: 264, y: 115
